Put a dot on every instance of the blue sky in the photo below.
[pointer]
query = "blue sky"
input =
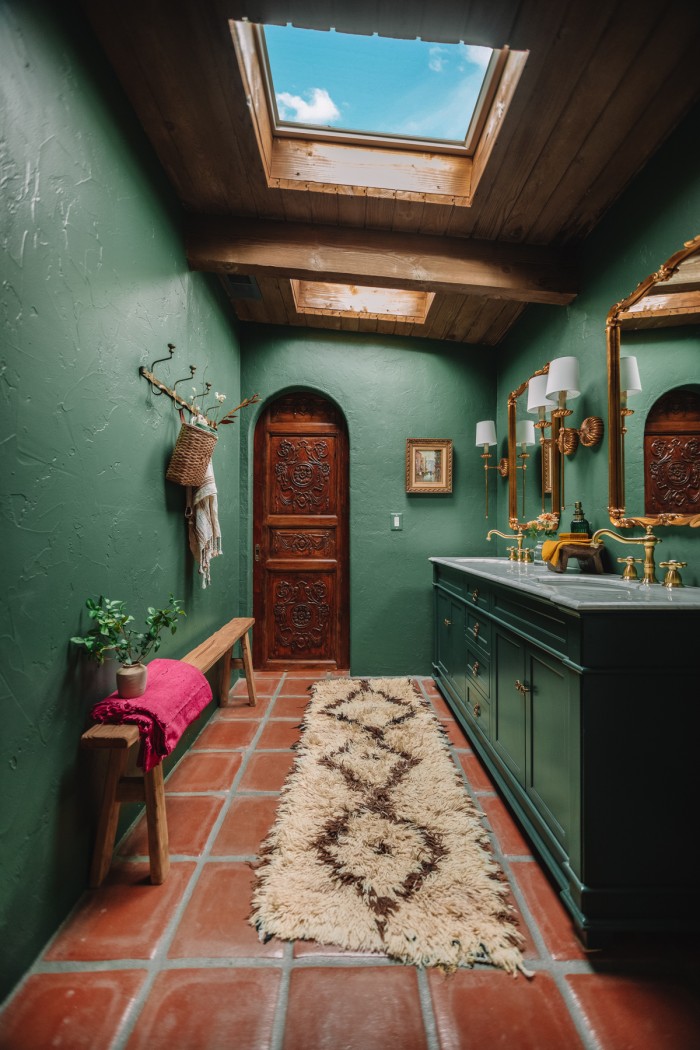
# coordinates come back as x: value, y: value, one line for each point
x: 375, y: 84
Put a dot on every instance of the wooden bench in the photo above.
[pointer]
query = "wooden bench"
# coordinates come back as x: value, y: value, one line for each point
x: 219, y: 648
x: 149, y: 788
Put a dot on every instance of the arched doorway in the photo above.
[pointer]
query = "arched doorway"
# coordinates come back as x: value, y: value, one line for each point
x: 300, y: 535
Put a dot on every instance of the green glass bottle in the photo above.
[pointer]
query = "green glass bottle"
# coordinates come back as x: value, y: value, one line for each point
x: 579, y: 523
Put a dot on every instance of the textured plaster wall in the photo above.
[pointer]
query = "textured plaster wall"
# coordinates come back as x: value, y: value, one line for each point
x: 652, y: 220
x: 94, y: 284
x: 389, y: 389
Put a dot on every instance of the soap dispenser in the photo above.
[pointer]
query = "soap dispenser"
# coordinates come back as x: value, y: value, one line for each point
x: 579, y: 524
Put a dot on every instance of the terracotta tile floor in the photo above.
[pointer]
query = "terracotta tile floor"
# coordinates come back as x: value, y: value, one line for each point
x: 177, y: 966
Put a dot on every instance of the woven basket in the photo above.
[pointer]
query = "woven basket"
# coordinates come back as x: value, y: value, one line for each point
x: 191, y: 455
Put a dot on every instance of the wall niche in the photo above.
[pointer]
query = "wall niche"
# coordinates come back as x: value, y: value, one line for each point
x: 672, y: 454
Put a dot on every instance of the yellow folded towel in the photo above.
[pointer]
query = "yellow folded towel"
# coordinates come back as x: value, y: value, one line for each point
x: 551, y: 548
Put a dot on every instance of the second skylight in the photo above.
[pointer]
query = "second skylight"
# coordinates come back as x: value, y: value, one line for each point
x: 376, y: 86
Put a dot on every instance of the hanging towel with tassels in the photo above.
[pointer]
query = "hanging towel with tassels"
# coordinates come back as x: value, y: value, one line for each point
x: 203, y: 524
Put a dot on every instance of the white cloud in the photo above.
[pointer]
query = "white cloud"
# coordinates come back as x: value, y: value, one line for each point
x: 317, y: 108
x: 436, y: 61
x: 475, y: 55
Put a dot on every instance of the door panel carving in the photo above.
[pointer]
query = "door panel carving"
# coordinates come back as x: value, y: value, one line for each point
x: 302, y: 612
x: 300, y: 579
x: 309, y: 543
x: 304, y: 470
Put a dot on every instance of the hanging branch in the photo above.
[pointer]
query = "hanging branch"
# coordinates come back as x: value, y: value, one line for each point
x: 161, y: 388
x: 230, y: 416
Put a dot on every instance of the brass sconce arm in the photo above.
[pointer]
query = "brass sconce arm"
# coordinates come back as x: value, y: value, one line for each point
x: 648, y: 541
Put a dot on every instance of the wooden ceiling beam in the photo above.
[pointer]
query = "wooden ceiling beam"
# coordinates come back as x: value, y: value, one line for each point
x: 522, y: 273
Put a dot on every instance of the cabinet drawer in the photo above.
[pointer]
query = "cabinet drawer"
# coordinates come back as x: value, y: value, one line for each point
x: 478, y: 710
x: 478, y: 632
x: 477, y: 595
x: 479, y: 671
x: 474, y: 591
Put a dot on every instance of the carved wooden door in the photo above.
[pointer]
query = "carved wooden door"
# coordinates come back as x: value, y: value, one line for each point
x: 300, y: 536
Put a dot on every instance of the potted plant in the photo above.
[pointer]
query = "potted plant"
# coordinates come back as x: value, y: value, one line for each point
x: 113, y: 637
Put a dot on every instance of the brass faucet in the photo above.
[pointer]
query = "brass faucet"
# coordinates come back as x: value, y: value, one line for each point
x: 514, y: 553
x: 649, y: 541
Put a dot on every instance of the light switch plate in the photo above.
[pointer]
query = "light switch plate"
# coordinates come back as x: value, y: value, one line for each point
x: 396, y: 521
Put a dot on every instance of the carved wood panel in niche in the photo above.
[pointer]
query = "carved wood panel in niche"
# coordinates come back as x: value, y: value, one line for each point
x: 302, y: 475
x: 303, y: 408
x: 309, y: 543
x: 302, y: 609
x: 672, y: 454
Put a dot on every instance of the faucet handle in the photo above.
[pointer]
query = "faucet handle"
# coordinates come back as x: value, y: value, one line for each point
x: 511, y: 553
x: 673, y: 576
x: 630, y: 572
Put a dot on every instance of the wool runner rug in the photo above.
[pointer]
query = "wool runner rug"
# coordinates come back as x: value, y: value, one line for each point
x: 376, y: 844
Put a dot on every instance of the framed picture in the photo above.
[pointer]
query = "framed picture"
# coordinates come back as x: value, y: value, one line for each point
x: 428, y: 465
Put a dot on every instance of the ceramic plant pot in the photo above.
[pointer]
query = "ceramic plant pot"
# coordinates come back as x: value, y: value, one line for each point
x: 131, y: 681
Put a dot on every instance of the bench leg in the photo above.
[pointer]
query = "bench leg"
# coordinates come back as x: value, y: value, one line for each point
x: 224, y: 677
x: 157, y: 822
x: 109, y: 816
x: 248, y: 668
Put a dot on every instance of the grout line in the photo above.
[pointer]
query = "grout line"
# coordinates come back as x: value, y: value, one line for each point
x: 279, y: 1022
x: 426, y: 1004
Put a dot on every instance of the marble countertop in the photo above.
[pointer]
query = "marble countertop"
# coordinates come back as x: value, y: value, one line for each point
x: 577, y: 590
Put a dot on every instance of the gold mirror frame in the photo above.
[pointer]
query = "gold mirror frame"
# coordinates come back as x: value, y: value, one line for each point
x: 622, y: 316
x: 513, y: 454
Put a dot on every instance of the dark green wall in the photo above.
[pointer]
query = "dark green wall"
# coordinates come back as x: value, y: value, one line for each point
x: 652, y: 220
x: 389, y: 389
x: 94, y: 284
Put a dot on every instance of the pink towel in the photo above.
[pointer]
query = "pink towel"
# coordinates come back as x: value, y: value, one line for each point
x: 175, y: 695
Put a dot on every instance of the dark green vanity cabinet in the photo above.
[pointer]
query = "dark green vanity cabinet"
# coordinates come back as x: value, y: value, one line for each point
x: 586, y: 721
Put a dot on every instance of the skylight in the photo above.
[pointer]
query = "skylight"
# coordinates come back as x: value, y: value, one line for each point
x: 412, y: 90
x: 352, y: 300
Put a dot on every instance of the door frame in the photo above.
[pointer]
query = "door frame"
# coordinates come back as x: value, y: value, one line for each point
x: 343, y: 526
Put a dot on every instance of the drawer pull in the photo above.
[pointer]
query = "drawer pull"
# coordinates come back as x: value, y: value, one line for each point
x: 523, y: 689
x: 475, y: 594
x: 477, y: 710
x: 447, y: 623
x: 476, y: 628
x: 474, y: 668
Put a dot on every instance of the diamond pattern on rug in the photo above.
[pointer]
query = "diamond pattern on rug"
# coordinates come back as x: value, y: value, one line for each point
x: 377, y: 845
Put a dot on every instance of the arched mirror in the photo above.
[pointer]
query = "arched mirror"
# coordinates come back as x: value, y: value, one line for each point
x: 653, y: 344
x: 533, y: 452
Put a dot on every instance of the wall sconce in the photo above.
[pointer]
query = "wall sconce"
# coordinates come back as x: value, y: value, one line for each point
x: 563, y: 384
x: 524, y: 436
x: 486, y: 436
x: 630, y: 383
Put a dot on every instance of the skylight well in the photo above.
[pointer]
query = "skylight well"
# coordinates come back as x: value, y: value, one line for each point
x: 375, y: 116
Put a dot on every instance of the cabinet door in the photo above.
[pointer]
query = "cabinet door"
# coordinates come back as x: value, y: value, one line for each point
x: 552, y: 760
x: 451, y: 643
x: 509, y: 718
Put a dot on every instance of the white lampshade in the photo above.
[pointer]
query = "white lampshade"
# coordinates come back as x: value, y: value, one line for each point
x: 525, y: 432
x: 486, y: 432
x: 537, y: 394
x: 630, y: 383
x: 563, y: 378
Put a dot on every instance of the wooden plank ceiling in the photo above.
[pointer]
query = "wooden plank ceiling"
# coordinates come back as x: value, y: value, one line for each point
x: 604, y: 83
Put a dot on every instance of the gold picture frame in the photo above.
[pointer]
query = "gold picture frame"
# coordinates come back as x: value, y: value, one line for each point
x: 429, y: 465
